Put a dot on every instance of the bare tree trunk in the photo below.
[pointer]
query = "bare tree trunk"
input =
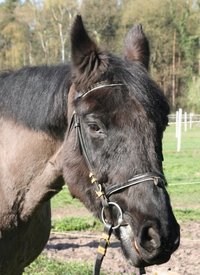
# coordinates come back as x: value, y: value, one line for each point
x: 30, y: 59
x: 59, y: 22
x: 199, y: 63
x: 44, y: 45
x: 174, y: 70
x: 62, y: 42
x: 178, y: 73
x: 59, y: 19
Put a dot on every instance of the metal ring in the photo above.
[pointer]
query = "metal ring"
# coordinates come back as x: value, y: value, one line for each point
x: 119, y: 218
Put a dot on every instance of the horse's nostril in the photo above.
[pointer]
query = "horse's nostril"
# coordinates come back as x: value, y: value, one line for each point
x: 149, y: 239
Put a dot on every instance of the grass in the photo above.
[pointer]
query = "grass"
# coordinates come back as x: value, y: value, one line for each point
x: 185, y: 196
x: 183, y: 166
x: 187, y: 214
x: 43, y: 266
x: 63, y: 199
x: 182, y: 170
x: 76, y: 224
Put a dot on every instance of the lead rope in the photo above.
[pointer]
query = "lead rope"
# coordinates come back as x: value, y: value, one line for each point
x: 108, y: 228
x: 142, y: 271
x: 102, y: 248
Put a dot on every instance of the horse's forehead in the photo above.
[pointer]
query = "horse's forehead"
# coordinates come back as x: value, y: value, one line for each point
x: 119, y: 109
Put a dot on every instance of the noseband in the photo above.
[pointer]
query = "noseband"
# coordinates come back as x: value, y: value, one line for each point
x: 104, y: 192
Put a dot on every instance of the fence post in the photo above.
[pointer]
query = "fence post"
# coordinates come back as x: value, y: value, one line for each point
x: 179, y: 130
x: 176, y: 124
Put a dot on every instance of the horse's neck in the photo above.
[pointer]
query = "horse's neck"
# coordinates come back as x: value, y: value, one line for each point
x: 37, y: 98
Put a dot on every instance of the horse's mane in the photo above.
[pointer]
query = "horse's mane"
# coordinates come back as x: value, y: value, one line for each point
x: 37, y: 97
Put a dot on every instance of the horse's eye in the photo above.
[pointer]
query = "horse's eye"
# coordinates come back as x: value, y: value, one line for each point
x: 94, y: 127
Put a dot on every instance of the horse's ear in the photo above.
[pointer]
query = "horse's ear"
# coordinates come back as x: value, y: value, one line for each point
x: 89, y: 62
x: 81, y: 43
x: 136, y: 46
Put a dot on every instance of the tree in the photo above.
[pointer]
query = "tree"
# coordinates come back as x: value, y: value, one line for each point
x: 63, y: 16
x: 49, y: 22
x: 12, y: 35
x: 103, y: 19
x: 170, y: 26
x: 193, y: 96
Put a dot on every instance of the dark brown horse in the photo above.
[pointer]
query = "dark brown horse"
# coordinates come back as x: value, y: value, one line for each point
x: 116, y: 116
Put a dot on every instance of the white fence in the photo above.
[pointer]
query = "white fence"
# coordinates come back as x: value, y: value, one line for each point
x: 187, y: 118
x: 183, y: 121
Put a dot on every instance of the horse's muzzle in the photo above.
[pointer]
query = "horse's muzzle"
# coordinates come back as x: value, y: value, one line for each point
x: 153, y: 247
x: 149, y: 246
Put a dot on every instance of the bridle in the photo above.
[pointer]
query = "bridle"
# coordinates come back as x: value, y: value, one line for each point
x: 104, y: 192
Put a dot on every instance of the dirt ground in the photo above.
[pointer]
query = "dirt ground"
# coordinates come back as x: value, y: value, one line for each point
x: 82, y: 246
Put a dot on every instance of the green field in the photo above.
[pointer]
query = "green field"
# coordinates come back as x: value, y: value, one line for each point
x: 44, y: 266
x: 183, y: 166
x: 182, y: 170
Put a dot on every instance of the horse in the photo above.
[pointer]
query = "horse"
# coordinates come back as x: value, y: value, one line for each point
x: 95, y: 123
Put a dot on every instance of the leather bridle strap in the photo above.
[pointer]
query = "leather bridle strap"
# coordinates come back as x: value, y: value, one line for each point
x: 156, y: 178
x: 81, y: 141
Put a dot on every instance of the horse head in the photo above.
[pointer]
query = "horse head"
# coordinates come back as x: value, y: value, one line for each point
x: 117, y: 116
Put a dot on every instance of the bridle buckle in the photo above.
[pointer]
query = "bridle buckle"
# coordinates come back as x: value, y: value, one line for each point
x: 99, y: 192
